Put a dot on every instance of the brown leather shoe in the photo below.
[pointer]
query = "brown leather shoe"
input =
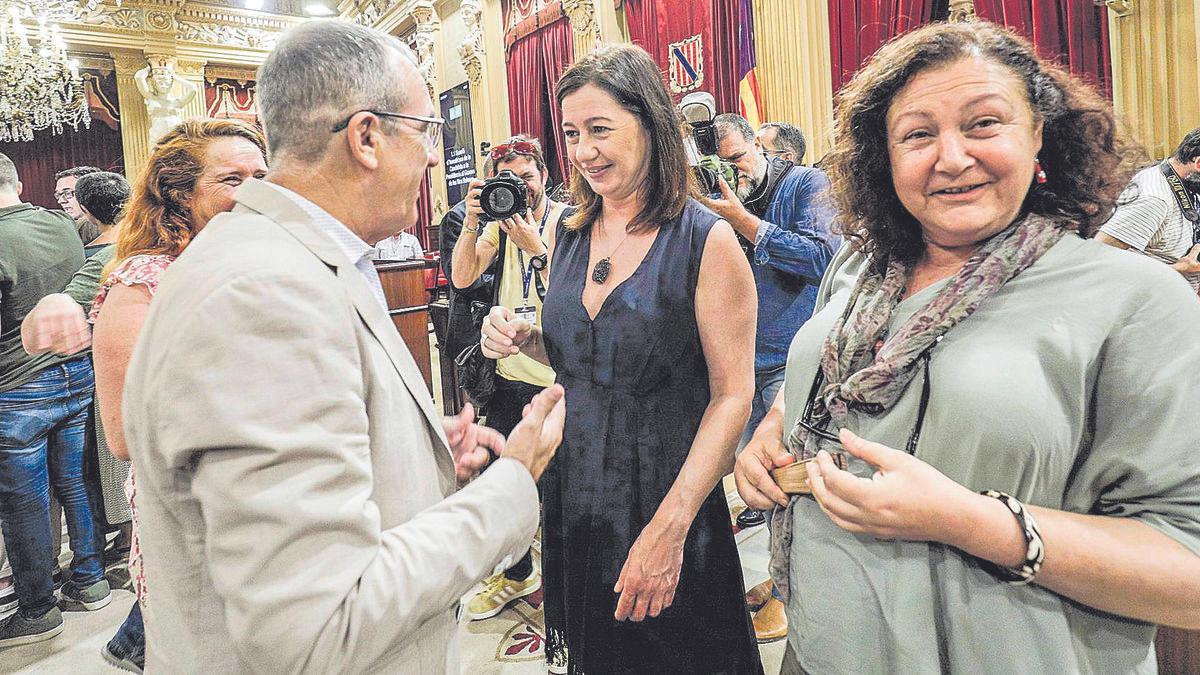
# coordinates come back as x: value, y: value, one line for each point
x: 757, y: 597
x: 770, y: 623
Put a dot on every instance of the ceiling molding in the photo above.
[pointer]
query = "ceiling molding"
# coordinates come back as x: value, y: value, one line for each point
x: 191, y: 30
x: 214, y: 73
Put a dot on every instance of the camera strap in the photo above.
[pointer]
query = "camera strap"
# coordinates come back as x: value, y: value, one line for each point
x: 1183, y: 198
x: 527, y: 271
x: 499, y: 265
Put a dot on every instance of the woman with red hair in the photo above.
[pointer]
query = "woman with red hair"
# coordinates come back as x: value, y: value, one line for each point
x: 190, y: 177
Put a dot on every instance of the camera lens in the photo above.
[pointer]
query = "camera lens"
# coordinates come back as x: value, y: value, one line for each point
x: 501, y: 200
x: 503, y: 195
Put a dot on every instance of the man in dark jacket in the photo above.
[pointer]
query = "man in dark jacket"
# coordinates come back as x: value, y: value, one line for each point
x: 461, y: 331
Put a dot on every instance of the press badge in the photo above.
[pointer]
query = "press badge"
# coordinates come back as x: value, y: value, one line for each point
x: 527, y: 313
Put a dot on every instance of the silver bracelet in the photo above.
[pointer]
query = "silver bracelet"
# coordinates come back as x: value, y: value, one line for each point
x: 1035, y: 551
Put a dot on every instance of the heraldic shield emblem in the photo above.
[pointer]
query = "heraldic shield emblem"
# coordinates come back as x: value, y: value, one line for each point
x: 686, y: 64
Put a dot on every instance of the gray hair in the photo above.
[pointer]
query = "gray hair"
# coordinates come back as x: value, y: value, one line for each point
x: 320, y: 72
x: 789, y: 137
x: 727, y: 122
x: 8, y: 173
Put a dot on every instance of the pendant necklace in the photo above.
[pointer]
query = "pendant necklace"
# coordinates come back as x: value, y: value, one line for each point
x: 604, y: 265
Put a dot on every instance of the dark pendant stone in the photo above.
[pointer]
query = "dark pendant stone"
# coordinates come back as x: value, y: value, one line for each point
x: 601, y: 270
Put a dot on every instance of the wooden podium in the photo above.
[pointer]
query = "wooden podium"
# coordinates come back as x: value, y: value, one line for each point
x: 408, y: 304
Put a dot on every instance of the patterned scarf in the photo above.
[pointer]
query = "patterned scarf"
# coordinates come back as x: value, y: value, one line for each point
x: 857, y: 376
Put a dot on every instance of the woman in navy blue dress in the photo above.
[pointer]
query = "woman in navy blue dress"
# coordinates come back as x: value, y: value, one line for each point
x: 649, y: 324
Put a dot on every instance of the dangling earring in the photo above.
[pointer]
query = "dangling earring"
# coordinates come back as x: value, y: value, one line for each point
x: 1039, y: 174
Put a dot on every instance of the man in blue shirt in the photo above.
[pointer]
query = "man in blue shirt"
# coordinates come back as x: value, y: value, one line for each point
x: 784, y: 218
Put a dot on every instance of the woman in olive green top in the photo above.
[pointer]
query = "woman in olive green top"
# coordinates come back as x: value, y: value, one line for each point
x: 1015, y: 404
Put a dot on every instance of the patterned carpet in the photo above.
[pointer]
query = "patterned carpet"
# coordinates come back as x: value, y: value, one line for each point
x: 512, y: 642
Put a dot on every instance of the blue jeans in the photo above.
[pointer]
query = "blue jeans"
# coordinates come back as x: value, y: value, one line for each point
x: 767, y: 384
x: 130, y: 640
x: 41, y: 447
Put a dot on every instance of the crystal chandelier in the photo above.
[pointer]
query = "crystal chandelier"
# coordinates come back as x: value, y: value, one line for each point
x: 40, y: 87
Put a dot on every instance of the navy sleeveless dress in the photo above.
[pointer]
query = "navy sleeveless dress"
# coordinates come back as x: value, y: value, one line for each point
x: 636, y: 389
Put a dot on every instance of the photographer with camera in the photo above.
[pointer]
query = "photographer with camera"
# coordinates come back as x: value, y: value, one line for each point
x: 785, y: 224
x: 1158, y: 215
x: 510, y: 209
x: 784, y: 221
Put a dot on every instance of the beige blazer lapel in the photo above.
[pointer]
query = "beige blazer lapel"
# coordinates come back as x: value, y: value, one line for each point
x: 380, y: 324
x: 255, y: 195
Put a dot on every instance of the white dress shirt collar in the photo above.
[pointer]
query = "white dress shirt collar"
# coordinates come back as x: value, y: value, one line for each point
x: 358, y: 251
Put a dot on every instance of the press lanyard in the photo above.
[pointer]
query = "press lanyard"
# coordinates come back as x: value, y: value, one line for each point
x: 1183, y: 198
x: 528, y: 272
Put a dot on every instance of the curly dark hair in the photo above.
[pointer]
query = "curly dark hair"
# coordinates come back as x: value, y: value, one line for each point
x: 1189, y: 147
x: 103, y: 194
x: 1087, y: 156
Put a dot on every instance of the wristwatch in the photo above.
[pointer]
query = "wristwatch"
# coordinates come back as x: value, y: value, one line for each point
x: 538, y: 262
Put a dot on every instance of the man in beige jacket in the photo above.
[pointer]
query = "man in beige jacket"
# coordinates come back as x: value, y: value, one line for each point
x: 296, y: 490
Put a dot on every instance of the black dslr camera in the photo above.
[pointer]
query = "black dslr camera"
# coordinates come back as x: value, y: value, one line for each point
x: 503, y: 196
x: 699, y: 108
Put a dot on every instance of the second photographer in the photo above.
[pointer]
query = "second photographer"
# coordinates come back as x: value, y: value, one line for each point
x: 519, y: 173
x: 785, y: 222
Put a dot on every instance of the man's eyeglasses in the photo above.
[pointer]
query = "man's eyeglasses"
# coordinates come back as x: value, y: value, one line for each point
x: 810, y: 425
x: 433, y: 125
x: 806, y: 420
x: 64, y: 195
x: 774, y: 153
x: 520, y: 147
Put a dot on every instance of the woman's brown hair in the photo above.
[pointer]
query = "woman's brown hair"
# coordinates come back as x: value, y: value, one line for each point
x: 631, y: 77
x: 1088, y: 158
x: 158, y: 220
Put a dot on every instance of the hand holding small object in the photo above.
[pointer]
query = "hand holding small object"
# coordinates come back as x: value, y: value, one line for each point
x: 503, y: 334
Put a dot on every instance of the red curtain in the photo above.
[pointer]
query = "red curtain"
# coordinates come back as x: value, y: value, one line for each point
x: 655, y: 25
x: 858, y: 27
x: 535, y: 64
x: 728, y: 71
x: 38, y: 160
x: 101, y: 91
x: 1073, y: 33
x: 231, y: 99
x: 558, y: 53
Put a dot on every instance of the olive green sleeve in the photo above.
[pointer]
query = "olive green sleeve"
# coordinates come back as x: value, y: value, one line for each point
x: 86, y: 282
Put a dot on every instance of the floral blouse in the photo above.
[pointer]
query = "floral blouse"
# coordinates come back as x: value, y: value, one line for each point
x: 145, y: 270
